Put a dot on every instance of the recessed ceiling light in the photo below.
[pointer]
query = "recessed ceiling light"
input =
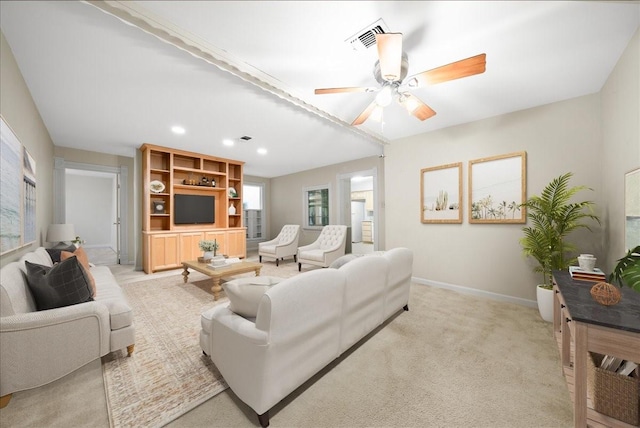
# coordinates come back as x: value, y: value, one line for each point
x: 228, y: 142
x: 262, y: 151
x: 178, y: 130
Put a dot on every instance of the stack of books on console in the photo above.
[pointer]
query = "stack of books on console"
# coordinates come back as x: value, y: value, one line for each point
x: 595, y: 275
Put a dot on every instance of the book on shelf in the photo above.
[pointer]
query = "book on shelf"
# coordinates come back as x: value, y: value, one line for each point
x: 589, y: 275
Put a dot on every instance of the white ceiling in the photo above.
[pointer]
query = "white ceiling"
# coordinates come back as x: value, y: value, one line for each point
x: 103, y: 85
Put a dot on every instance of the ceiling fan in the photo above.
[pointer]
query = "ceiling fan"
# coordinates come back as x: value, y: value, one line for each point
x: 390, y: 71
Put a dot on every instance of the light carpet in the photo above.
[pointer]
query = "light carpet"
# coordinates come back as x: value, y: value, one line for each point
x: 168, y: 375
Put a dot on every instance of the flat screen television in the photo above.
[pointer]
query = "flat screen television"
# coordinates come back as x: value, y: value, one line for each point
x: 194, y: 209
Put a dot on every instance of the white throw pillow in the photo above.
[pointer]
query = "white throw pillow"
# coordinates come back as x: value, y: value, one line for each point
x: 244, y: 294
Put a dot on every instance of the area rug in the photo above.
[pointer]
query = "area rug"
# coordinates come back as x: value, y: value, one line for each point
x: 167, y: 375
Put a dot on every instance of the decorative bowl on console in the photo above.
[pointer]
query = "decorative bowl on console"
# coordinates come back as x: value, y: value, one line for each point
x: 587, y: 262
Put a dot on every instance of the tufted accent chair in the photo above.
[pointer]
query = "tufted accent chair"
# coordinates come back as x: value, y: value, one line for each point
x: 284, y: 245
x: 328, y: 247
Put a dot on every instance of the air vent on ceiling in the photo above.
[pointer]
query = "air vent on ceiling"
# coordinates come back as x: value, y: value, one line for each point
x: 245, y: 138
x: 366, y: 37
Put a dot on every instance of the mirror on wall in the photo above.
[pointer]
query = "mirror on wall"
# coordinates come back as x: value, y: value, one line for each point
x: 632, y: 208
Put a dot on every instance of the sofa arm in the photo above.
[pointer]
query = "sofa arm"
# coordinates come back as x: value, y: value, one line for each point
x: 33, y: 320
x: 244, y: 329
x: 39, y: 347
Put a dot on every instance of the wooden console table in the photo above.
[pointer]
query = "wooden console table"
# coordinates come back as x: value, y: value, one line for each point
x: 588, y: 326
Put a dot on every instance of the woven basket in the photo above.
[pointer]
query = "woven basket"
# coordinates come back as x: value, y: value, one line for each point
x: 612, y: 394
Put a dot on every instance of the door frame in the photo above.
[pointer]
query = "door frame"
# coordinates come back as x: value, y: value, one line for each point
x: 344, y: 200
x: 59, y: 197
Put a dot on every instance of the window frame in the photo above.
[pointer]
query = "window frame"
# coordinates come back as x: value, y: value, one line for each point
x: 305, y: 205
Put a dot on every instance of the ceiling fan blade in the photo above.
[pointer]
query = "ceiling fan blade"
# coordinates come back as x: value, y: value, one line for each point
x: 416, y: 107
x: 455, y: 70
x: 390, y: 55
x: 365, y: 114
x: 342, y: 90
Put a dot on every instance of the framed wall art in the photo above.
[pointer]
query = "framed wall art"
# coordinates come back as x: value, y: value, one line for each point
x: 632, y: 208
x: 497, y: 188
x: 441, y: 194
x: 17, y: 192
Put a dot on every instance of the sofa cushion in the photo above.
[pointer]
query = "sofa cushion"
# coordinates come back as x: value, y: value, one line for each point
x: 54, y: 253
x: 81, y: 254
x: 316, y: 255
x: 64, y: 284
x: 271, y: 249
x: 245, y: 293
x: 112, y: 296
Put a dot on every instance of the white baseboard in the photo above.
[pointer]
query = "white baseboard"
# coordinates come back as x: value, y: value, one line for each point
x: 476, y: 292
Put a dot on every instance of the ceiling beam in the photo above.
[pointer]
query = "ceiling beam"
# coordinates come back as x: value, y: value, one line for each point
x: 133, y: 14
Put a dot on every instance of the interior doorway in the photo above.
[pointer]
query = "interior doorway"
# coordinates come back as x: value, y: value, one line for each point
x: 91, y: 205
x: 92, y: 198
x: 357, y: 209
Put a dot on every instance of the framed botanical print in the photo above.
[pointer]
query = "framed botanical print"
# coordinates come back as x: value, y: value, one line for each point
x: 497, y: 189
x: 441, y: 194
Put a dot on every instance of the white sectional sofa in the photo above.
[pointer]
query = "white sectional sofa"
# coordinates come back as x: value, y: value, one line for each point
x: 302, y: 324
x: 38, y: 347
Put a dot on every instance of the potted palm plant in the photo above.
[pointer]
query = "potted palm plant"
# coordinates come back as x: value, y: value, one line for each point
x: 552, y: 217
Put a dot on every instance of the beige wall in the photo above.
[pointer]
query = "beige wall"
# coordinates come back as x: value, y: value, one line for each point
x: 20, y: 113
x: 596, y: 137
x: 621, y: 143
x: 287, y: 198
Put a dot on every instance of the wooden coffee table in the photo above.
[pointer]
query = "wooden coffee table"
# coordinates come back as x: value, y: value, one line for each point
x: 217, y: 274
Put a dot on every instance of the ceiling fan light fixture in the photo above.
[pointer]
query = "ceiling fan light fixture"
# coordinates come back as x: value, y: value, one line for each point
x: 409, y: 103
x: 385, y: 96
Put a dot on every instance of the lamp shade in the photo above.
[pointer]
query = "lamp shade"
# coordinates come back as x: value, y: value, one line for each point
x: 60, y: 233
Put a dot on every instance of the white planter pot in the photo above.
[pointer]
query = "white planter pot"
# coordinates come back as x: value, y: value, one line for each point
x: 545, y: 303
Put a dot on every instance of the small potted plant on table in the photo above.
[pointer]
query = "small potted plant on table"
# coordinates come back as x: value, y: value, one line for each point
x: 210, y: 248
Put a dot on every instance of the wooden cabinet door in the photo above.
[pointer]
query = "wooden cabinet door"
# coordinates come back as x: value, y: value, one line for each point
x: 189, y: 248
x: 165, y: 251
x: 237, y: 243
x: 368, y: 200
x: 220, y: 238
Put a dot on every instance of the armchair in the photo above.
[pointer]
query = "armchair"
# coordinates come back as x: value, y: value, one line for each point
x: 328, y: 247
x: 283, y: 245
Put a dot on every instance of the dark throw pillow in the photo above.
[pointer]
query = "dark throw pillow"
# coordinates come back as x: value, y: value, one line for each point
x: 84, y: 261
x: 54, y: 253
x: 64, y: 284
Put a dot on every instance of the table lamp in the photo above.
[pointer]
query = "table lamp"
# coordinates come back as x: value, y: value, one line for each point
x: 60, y: 233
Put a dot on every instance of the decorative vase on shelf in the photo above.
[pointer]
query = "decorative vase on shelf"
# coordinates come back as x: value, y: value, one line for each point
x: 208, y: 255
x: 232, y: 209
